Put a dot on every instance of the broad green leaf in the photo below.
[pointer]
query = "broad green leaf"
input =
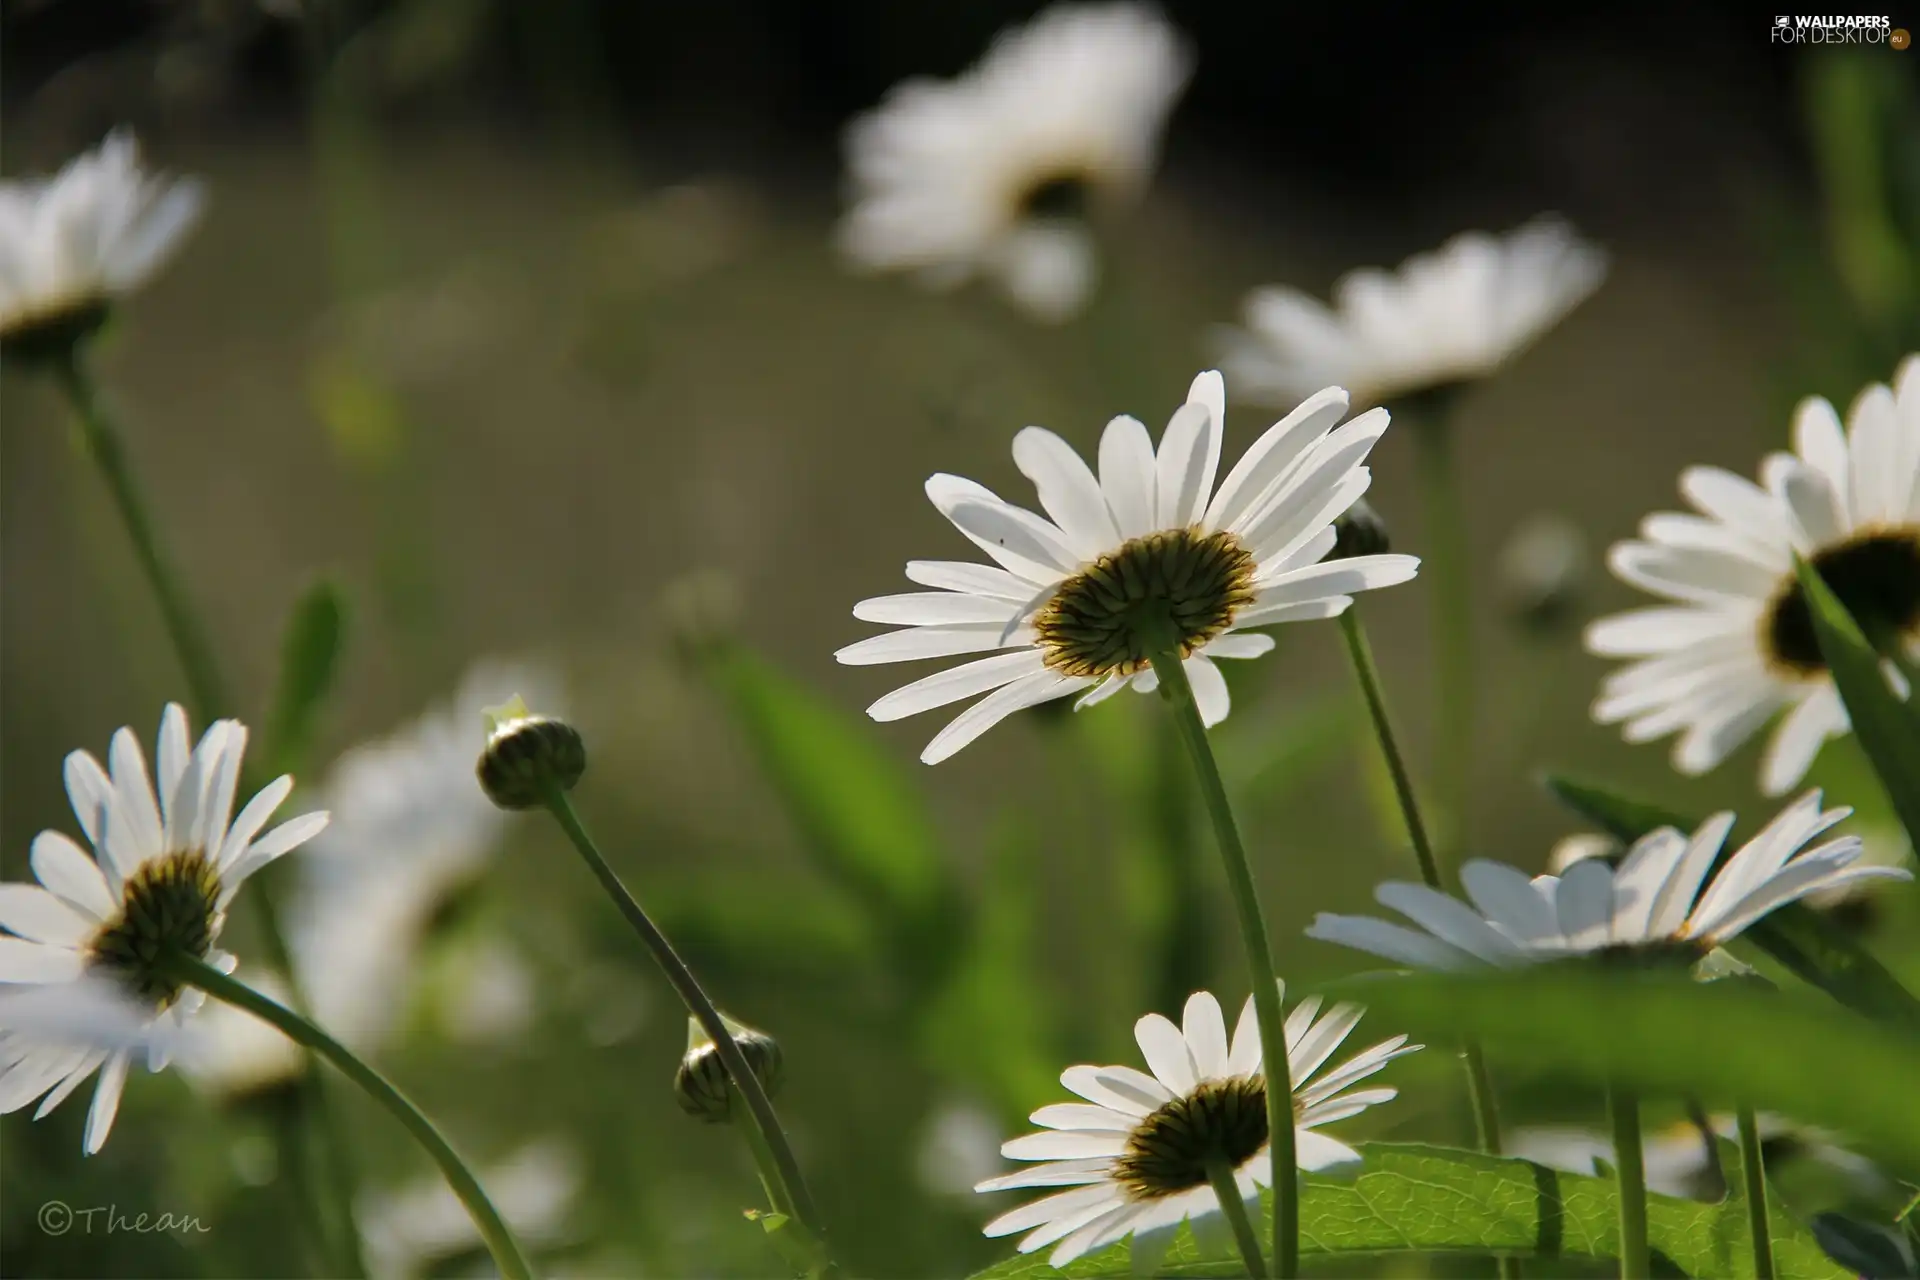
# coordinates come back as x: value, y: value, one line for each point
x: 1885, y: 726
x: 1718, y: 1042
x: 1419, y: 1199
x: 864, y: 822
x: 1809, y: 945
x: 309, y: 662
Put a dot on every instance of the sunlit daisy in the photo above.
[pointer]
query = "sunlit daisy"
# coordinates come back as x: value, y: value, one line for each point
x: 72, y: 243
x: 1147, y: 553
x: 1136, y: 1154
x: 166, y: 863
x: 1736, y: 642
x: 1457, y: 313
x: 410, y: 830
x: 991, y: 172
x: 1651, y: 907
x: 1682, y: 1160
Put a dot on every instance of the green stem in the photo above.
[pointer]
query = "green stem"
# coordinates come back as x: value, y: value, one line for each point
x: 493, y: 1229
x: 1253, y: 934
x: 1227, y: 1191
x: 1630, y: 1164
x: 1753, y: 1173
x: 1486, y: 1116
x: 211, y: 699
x: 769, y: 1168
x: 1446, y: 566
x: 791, y: 1184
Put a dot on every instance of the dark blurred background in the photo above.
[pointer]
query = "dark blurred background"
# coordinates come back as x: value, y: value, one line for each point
x: 523, y: 321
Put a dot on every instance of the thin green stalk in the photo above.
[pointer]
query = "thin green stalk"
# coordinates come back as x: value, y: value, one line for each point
x: 1630, y: 1165
x: 1227, y: 1191
x: 1253, y: 934
x: 507, y: 1255
x: 1753, y: 1173
x: 759, y: 1110
x: 208, y: 690
x: 1486, y: 1117
x: 211, y: 698
x: 1446, y: 566
x: 769, y: 1168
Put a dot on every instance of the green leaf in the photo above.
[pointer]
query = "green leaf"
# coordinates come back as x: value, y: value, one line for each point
x: 1885, y: 726
x: 863, y: 821
x: 1419, y: 1199
x: 1719, y: 1042
x: 1808, y: 944
x: 309, y: 662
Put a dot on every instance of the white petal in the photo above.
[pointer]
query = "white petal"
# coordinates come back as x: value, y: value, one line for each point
x: 1189, y: 452
x: 22, y: 961
x: 1676, y: 898
x: 1206, y: 1034
x: 1798, y: 739
x: 1048, y: 1208
x: 914, y: 643
x: 1067, y: 490
x: 1165, y: 1050
x: 1081, y: 1115
x: 1127, y: 475
x: 1315, y: 1152
x: 974, y: 579
x: 284, y: 838
x: 106, y: 1101
x: 1277, y: 449
x: 1062, y: 1173
x: 67, y: 871
x: 1209, y: 690
x: 253, y: 816
x: 1243, y: 1059
x: 1276, y: 614
x: 1659, y: 630
x: 1236, y: 645
x: 1584, y: 904
x: 1391, y: 942
x: 1118, y: 1088
x: 1643, y: 873
x: 1058, y: 1144
x: 34, y: 914
x: 1308, y: 1052
x: 173, y: 753
x: 1508, y: 898
x: 933, y: 609
x: 945, y: 687
x: 1020, y: 541
x: 1447, y: 919
x: 1025, y: 692
x: 1808, y: 875
x: 129, y: 773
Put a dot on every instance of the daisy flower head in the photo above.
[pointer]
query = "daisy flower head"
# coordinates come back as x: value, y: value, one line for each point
x: 1733, y: 643
x: 990, y: 173
x: 1146, y: 556
x: 166, y: 863
x: 1136, y: 1154
x: 1444, y: 317
x: 1651, y: 908
x: 73, y: 243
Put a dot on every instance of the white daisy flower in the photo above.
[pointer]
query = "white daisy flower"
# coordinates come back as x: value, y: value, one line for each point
x: 988, y: 173
x: 1444, y: 317
x: 72, y: 243
x: 411, y: 828
x: 1148, y: 548
x: 421, y: 1228
x: 165, y: 866
x: 1736, y: 643
x: 1651, y: 907
x: 1135, y: 1155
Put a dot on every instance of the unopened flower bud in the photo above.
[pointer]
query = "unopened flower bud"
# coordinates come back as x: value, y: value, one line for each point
x: 701, y: 1086
x: 1359, y: 532
x: 526, y: 753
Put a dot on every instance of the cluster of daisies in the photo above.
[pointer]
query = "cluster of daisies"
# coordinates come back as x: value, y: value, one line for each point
x: 1148, y: 552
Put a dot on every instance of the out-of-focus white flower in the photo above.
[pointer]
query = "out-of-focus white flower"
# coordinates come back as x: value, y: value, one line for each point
x: 72, y: 243
x: 408, y: 1229
x: 411, y: 827
x: 169, y: 853
x: 1681, y: 1160
x: 230, y: 1053
x: 1543, y: 567
x: 959, y: 1147
x: 1733, y: 641
x: 489, y: 997
x: 992, y: 172
x: 1444, y: 317
x: 1586, y: 844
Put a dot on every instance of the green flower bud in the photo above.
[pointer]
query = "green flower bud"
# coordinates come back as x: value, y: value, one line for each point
x: 701, y: 1086
x: 524, y: 752
x: 1359, y: 532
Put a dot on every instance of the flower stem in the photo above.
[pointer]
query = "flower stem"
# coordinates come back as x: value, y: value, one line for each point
x: 1446, y: 564
x: 785, y: 1169
x: 507, y: 1255
x: 1753, y: 1173
x: 102, y: 438
x: 1227, y: 1191
x: 1486, y: 1116
x: 1253, y: 934
x: 1630, y: 1165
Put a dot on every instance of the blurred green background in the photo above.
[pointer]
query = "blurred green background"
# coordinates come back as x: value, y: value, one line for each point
x: 522, y: 322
